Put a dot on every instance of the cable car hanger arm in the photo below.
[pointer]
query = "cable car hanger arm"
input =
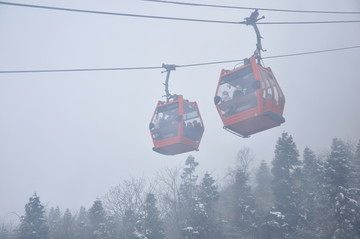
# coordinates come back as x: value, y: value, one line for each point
x: 168, y: 69
x: 252, y: 20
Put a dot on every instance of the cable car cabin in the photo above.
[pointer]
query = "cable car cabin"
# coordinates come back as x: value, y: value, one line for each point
x: 176, y: 127
x: 249, y: 99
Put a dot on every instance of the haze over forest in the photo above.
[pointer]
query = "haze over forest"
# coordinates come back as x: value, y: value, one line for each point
x: 296, y: 196
x: 73, y: 137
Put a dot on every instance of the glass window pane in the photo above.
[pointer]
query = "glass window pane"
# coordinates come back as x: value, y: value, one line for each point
x: 193, y: 127
x: 237, y: 91
x: 165, y: 122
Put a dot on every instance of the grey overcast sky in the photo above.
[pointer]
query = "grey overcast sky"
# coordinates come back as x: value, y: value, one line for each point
x: 71, y: 136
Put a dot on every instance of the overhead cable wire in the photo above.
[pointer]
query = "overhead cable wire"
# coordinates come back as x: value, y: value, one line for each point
x: 312, y: 52
x: 115, y: 13
x: 313, y: 22
x: 208, y: 63
x: 85, y: 69
x: 160, y: 17
x: 178, y: 66
x: 271, y: 57
x: 249, y: 8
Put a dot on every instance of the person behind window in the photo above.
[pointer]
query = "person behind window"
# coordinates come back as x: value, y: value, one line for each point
x: 238, y: 91
x: 225, y: 96
x: 226, y: 108
x: 189, y: 130
x: 197, y: 130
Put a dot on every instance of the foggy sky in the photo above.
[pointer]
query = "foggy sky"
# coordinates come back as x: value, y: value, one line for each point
x: 72, y: 136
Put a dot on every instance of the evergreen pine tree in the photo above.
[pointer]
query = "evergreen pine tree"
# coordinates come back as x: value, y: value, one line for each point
x: 33, y: 225
x: 338, y: 169
x: 130, y: 226
x: 188, y: 184
x: 151, y: 224
x: 311, y: 185
x: 208, y: 193
x: 342, y: 208
x: 82, y: 227
x: 285, y: 184
x: 263, y: 193
x: 237, y: 208
x: 243, y: 218
x: 68, y: 225
x: 113, y: 226
x: 54, y: 221
x: 5, y: 232
x: 347, y: 215
x: 208, y: 224
x: 97, y: 218
x: 188, y: 199
x: 274, y: 226
x: 356, y: 166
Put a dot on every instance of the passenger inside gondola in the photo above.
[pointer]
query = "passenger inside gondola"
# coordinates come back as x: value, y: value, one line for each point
x: 238, y: 91
x: 225, y: 96
x: 198, y: 129
x: 164, y: 124
x: 193, y: 130
x: 242, y: 86
x: 193, y: 127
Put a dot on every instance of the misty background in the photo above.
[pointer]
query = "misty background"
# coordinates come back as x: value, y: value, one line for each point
x: 71, y: 136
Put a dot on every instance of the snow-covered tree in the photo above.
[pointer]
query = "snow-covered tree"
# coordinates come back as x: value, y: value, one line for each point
x: 274, y: 226
x: 356, y: 166
x: 347, y: 215
x: 33, y: 225
x: 338, y: 170
x: 244, y: 207
x: 189, y: 178
x: 188, y: 197
x: 286, y: 168
x: 149, y: 225
x: 237, y: 208
x: 208, y: 192
x: 129, y: 225
x: 61, y: 227
x: 197, y: 204
x: 207, y: 221
x: 97, y: 218
x: 262, y: 192
x: 312, y: 174
x: 54, y: 222
x: 68, y: 225
x: 83, y: 229
x: 5, y: 231
x: 169, y: 201
x: 342, y: 207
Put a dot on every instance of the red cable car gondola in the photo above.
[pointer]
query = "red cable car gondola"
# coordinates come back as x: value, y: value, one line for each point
x: 257, y: 102
x: 176, y: 126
